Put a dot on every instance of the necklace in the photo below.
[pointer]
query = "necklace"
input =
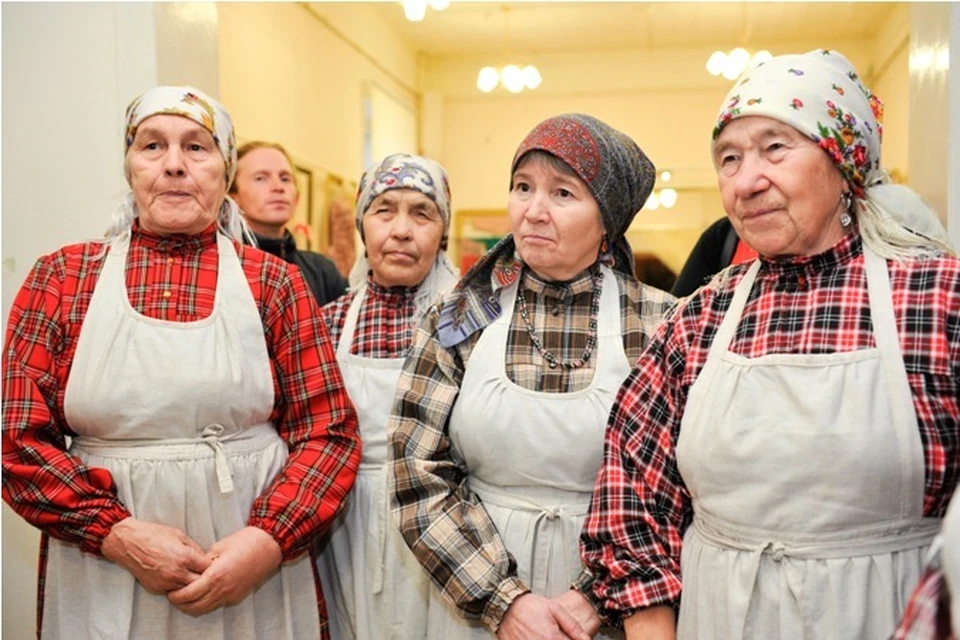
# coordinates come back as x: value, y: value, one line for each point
x: 552, y: 360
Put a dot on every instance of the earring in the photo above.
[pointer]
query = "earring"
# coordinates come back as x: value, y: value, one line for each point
x: 845, y: 218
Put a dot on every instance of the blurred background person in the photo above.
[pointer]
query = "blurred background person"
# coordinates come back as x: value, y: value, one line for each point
x: 718, y: 247
x: 266, y: 191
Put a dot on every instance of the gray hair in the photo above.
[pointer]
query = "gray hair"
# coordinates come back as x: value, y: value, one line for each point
x: 898, y: 225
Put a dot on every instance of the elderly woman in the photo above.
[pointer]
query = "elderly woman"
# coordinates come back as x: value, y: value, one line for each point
x: 790, y: 438
x: 374, y: 586
x: 210, y: 434
x: 497, y: 430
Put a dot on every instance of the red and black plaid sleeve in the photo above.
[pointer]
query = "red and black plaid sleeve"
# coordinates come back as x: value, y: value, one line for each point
x: 819, y: 304
x: 49, y: 488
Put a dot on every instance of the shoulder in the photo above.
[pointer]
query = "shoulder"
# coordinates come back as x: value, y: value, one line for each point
x: 260, y: 264
x: 335, y: 313
x: 930, y: 273
x: 641, y: 295
x: 318, y: 260
x: 72, y: 261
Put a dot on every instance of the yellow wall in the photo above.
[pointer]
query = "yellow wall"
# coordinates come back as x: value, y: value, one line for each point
x: 664, y: 99
x: 298, y: 74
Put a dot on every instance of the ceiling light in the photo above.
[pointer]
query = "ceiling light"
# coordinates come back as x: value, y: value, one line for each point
x: 487, y: 79
x: 715, y: 63
x: 668, y: 197
x: 731, y: 65
x: 512, y: 78
x: 531, y: 77
x: 665, y: 176
x: 415, y: 10
x: 653, y: 202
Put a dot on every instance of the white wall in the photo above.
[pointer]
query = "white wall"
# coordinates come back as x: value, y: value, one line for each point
x: 69, y: 71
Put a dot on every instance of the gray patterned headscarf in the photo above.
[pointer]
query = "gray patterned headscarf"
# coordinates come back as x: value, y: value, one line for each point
x: 620, y: 177
x: 617, y: 173
x: 407, y: 171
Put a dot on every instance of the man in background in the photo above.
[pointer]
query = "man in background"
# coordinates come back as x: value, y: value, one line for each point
x: 266, y: 191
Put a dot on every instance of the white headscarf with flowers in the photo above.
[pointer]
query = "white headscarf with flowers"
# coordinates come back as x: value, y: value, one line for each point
x: 191, y: 103
x: 819, y: 93
x: 407, y: 171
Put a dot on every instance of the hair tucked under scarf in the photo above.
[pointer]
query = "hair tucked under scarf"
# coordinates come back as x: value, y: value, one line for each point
x: 407, y: 171
x: 820, y: 94
x: 191, y: 103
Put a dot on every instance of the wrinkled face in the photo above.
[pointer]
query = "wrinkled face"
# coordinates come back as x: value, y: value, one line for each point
x: 177, y: 175
x: 402, y: 231
x: 780, y: 190
x: 555, y: 220
x: 265, y: 188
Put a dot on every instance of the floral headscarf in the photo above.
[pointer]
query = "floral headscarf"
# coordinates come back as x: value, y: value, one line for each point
x: 820, y: 94
x: 189, y: 103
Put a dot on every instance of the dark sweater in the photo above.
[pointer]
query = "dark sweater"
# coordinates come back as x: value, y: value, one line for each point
x: 712, y: 253
x: 319, y: 271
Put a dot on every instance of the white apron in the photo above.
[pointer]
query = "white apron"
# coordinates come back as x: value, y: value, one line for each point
x: 374, y: 587
x: 806, y: 474
x: 533, y: 457
x: 178, y: 413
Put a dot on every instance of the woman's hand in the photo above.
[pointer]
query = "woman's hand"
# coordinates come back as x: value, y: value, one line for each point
x: 239, y: 563
x: 581, y: 610
x: 533, y: 617
x: 161, y: 558
x: 655, y: 623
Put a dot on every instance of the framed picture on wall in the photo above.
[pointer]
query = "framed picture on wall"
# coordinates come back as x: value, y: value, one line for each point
x: 475, y: 232
x: 301, y: 224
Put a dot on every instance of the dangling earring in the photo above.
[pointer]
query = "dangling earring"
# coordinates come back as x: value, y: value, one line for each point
x: 845, y: 218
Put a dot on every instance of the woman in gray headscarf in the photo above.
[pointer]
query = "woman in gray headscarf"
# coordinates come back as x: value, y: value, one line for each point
x: 374, y: 587
x: 497, y: 430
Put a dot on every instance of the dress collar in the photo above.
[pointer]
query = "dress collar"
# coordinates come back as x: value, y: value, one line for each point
x: 175, y: 242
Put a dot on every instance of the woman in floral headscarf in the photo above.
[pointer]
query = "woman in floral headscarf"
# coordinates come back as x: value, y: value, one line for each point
x: 374, y: 587
x: 496, y: 433
x: 210, y: 434
x: 790, y: 439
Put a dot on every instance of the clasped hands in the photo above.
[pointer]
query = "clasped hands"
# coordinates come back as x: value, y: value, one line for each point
x: 534, y: 617
x: 166, y: 561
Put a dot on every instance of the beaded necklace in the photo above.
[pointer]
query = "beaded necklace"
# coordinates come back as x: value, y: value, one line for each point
x: 552, y: 360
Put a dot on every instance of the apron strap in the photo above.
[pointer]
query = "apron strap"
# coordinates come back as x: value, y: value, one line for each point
x: 731, y: 319
x: 901, y: 397
x: 350, y: 323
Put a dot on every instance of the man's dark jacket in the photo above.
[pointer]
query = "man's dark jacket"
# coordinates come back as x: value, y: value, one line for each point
x: 319, y: 271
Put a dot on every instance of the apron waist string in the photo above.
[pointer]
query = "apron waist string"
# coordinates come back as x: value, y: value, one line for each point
x: 211, y: 436
x: 863, y: 540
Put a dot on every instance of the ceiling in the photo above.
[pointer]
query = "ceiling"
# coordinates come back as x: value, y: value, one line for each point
x: 491, y: 27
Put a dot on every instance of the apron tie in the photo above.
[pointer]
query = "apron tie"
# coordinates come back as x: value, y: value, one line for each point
x: 211, y: 436
x: 385, y: 521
